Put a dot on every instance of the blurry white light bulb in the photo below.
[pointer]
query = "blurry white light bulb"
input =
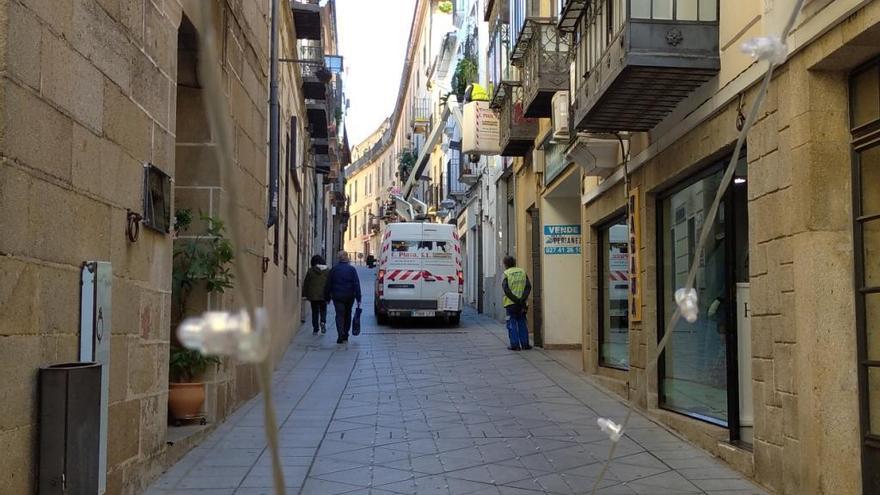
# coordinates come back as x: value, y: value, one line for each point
x: 686, y: 299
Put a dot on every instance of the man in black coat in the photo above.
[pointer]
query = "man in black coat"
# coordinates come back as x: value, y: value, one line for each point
x: 343, y: 288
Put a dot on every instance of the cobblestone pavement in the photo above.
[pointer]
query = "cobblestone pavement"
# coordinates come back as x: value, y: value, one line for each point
x: 436, y: 410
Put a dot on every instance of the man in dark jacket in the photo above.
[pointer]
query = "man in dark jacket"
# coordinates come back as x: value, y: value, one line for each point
x: 343, y: 288
x: 313, y: 290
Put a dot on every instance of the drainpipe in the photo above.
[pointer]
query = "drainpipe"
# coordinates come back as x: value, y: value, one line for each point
x: 274, y: 119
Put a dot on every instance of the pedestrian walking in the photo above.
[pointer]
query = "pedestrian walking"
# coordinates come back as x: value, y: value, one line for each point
x: 343, y: 288
x: 313, y: 290
x: 516, y: 286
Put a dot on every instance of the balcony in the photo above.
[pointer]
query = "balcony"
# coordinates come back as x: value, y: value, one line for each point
x: 518, y: 132
x: 314, y: 74
x: 570, y: 13
x: 502, y: 74
x: 443, y: 62
x: 321, y: 147
x: 317, y: 115
x: 322, y: 165
x: 421, y: 115
x: 545, y: 67
x: 655, y: 55
x: 306, y: 19
x: 467, y: 172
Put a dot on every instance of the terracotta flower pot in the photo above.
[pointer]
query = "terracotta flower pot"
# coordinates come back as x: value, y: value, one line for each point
x: 185, y: 400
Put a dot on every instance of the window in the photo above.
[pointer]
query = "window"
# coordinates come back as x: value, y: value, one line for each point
x: 437, y: 248
x: 698, y: 371
x: 679, y: 10
x: 157, y: 199
x: 614, y: 294
x: 865, y: 122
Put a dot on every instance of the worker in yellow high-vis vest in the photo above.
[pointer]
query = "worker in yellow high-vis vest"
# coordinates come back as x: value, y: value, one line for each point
x: 516, y: 288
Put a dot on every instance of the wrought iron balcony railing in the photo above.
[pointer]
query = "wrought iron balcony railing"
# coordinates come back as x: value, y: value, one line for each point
x: 545, y: 67
x: 638, y: 59
x: 314, y: 74
x: 454, y: 172
x: 518, y: 132
x: 467, y: 170
x: 422, y: 115
x: 522, y: 30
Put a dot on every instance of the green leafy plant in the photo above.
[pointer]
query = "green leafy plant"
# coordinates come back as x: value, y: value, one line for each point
x: 466, y: 73
x: 445, y: 6
x: 203, y: 259
x: 407, y: 162
x: 186, y: 366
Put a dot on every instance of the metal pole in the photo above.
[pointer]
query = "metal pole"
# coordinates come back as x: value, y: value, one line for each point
x: 274, y: 119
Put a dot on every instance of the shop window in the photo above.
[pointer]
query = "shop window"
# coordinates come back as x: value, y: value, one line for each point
x: 614, y: 294
x: 698, y: 369
x: 865, y: 121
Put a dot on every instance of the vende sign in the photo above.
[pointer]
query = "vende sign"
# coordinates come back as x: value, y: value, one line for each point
x: 562, y: 239
x: 481, y: 132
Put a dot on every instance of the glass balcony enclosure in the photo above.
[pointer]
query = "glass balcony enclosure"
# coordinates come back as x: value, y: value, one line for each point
x: 636, y: 60
x: 501, y: 72
x: 521, y: 12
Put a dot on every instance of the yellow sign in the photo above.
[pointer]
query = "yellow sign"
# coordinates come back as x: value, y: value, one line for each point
x: 635, y: 248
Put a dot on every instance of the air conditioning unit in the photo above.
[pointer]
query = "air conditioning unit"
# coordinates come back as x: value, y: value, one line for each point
x: 559, y: 117
x: 598, y: 157
x: 538, y: 161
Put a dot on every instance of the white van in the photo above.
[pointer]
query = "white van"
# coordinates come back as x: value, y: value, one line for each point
x: 420, y: 272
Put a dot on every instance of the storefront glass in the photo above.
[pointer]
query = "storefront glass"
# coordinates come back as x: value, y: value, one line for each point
x: 865, y: 123
x: 614, y: 290
x: 694, y: 367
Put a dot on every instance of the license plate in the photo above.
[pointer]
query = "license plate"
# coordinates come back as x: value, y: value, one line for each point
x: 423, y: 313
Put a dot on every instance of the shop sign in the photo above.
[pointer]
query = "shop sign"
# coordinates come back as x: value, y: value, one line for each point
x: 481, y: 131
x: 562, y: 239
x: 635, y: 248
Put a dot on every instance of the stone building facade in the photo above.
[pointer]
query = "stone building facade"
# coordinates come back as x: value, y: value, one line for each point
x: 776, y: 375
x: 90, y: 92
x: 792, y: 267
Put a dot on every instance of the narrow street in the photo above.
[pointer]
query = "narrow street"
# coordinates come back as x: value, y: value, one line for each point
x: 428, y: 409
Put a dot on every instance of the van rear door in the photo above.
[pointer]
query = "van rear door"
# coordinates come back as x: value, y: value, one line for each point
x: 440, y: 262
x: 403, y: 264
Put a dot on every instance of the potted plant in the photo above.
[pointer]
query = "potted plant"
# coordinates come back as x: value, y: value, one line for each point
x: 186, y: 390
x: 200, y: 265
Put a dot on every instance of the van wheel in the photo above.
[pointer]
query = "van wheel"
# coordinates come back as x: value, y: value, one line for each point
x: 455, y: 319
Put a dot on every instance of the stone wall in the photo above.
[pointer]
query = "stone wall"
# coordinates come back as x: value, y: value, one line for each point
x: 88, y: 94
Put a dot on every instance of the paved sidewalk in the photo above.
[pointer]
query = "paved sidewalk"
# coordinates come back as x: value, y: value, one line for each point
x: 434, y: 410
